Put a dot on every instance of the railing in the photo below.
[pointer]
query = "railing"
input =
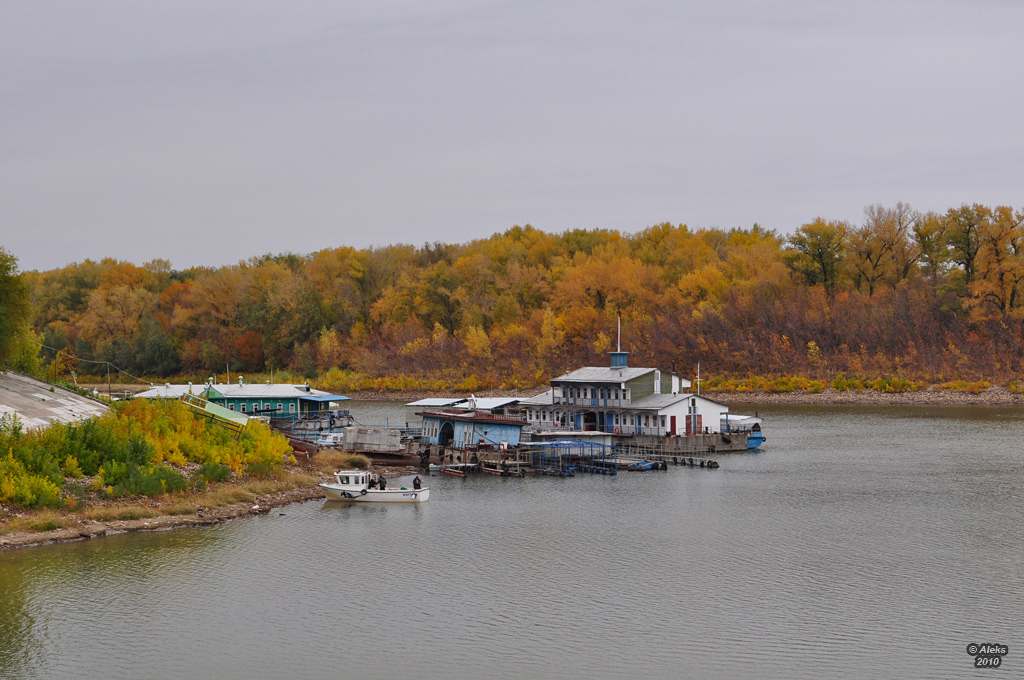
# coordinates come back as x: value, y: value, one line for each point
x: 660, y: 451
x: 607, y: 429
x: 590, y: 401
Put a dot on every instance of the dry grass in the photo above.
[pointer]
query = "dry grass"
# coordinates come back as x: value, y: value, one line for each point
x: 179, y: 509
x: 247, y: 492
x: 224, y: 495
x: 115, y: 514
x: 329, y: 461
x: 37, y: 520
x: 216, y: 496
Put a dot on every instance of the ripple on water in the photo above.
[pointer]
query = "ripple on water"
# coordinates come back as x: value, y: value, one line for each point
x: 862, y: 543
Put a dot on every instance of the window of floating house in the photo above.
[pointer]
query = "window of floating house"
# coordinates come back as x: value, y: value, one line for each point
x: 647, y: 421
x: 231, y: 407
x: 291, y: 407
x: 663, y: 421
x: 278, y: 406
x: 242, y: 407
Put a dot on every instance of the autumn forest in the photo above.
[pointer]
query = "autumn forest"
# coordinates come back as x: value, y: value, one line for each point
x: 923, y: 296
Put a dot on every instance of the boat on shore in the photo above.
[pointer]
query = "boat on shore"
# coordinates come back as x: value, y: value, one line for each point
x: 333, y: 440
x: 363, y: 486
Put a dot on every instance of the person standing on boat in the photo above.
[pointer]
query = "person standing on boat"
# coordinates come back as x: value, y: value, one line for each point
x: 381, y: 482
x: 417, y: 483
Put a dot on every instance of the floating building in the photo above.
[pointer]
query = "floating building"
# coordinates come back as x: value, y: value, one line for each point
x: 498, y: 406
x: 623, y: 400
x: 461, y: 429
x: 277, y: 401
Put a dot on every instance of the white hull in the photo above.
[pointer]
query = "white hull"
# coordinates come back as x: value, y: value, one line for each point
x: 338, y: 492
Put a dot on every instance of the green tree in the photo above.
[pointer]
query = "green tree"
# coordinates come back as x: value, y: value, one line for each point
x: 962, y: 227
x: 816, y: 251
x: 15, y: 309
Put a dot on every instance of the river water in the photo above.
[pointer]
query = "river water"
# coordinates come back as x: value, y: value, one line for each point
x: 861, y: 542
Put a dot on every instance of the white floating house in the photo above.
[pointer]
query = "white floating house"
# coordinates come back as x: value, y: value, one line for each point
x: 623, y: 400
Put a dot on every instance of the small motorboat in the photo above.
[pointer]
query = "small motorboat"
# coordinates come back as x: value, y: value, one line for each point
x: 643, y: 465
x: 355, y: 485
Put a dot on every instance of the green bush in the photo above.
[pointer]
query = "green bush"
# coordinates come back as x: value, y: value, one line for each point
x: 262, y: 469
x: 47, y: 525
x: 214, y: 472
x: 152, y: 480
x: 127, y: 451
x: 18, y: 486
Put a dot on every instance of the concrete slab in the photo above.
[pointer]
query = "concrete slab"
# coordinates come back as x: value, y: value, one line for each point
x: 36, y: 406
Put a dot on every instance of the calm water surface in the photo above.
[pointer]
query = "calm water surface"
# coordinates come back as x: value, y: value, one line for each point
x: 862, y: 542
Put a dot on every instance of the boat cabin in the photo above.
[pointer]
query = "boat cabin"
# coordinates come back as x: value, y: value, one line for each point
x: 736, y: 423
x: 357, y: 479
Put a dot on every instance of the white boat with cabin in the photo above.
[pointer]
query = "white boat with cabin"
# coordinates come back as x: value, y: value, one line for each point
x: 333, y: 440
x: 749, y: 425
x: 361, y: 485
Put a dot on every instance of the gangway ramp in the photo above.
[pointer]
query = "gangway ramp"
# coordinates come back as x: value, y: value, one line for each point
x: 226, y: 418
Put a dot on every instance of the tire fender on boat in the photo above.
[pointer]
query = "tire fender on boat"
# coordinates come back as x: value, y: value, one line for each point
x: 362, y: 492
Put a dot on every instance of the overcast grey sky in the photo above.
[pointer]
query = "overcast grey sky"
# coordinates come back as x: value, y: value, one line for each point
x: 207, y: 132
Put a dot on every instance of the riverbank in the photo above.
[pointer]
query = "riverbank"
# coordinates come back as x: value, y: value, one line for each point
x: 228, y: 501
x: 933, y: 394
x: 994, y: 395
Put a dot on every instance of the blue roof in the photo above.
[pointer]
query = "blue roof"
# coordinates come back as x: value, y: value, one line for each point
x: 322, y: 397
x: 565, y: 443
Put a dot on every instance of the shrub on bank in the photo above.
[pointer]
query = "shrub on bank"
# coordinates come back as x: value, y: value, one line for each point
x: 135, y: 449
x: 329, y: 461
x: 840, y: 383
x: 975, y: 387
x: 18, y: 486
x: 214, y: 472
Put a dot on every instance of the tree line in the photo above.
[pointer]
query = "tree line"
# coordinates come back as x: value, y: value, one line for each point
x: 924, y: 295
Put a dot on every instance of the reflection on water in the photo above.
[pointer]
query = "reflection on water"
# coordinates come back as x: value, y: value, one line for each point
x: 863, y: 542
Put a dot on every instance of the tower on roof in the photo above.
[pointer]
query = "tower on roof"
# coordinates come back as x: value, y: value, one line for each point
x: 620, y: 359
